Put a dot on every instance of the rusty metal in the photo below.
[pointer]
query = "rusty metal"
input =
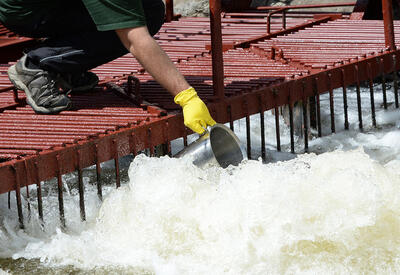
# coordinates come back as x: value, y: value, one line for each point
x: 98, y: 173
x: 291, y: 125
x: 327, y: 5
x: 248, y: 128
x: 18, y: 198
x: 345, y: 106
x: 248, y: 137
x: 40, y: 200
x: 383, y: 80
x: 358, y: 91
x: 229, y: 110
x: 331, y: 103
x: 319, y: 116
x: 27, y: 174
x: 136, y: 93
x: 371, y: 91
x: 283, y: 11
x: 150, y: 142
x: 169, y: 10
x: 319, y: 56
x: 27, y: 200
x: 277, y: 32
x: 60, y: 193
x: 278, y: 135
x: 81, y: 187
x: 116, y: 163
x: 262, y: 126
x: 317, y: 105
x: 395, y: 81
x: 387, y: 10
x: 12, y: 45
x: 305, y: 116
x: 216, y: 44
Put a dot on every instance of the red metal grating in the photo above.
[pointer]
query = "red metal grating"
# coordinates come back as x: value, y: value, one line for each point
x: 188, y: 37
x: 244, y: 72
x: 336, y: 42
x: 22, y: 132
x: 261, y: 72
x: 12, y: 45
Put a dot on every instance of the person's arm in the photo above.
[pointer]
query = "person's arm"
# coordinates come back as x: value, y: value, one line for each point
x: 157, y: 63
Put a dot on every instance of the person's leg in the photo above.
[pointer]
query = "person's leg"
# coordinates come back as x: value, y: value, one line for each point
x: 52, y: 20
x: 71, y: 51
x: 42, y: 86
x: 79, y: 52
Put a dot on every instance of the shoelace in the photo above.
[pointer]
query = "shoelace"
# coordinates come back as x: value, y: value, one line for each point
x: 54, y: 87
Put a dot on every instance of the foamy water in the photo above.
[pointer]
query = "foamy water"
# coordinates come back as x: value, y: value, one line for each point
x: 310, y: 215
x: 333, y: 212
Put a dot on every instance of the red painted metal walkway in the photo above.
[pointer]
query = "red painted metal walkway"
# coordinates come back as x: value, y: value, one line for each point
x: 129, y: 112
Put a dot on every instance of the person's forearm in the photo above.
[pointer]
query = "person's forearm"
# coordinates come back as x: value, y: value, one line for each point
x: 154, y: 60
x: 146, y: 50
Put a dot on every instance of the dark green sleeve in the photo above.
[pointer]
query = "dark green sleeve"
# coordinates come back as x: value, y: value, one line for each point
x: 116, y: 14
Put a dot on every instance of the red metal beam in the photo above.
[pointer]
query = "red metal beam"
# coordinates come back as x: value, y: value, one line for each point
x: 169, y: 10
x: 216, y: 48
x: 328, y: 5
x: 136, y: 138
x: 264, y: 84
x: 387, y: 11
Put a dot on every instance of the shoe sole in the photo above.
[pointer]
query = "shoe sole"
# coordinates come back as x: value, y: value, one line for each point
x: 13, y: 76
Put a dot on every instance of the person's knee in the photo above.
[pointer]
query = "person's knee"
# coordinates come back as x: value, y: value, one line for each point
x: 155, y: 13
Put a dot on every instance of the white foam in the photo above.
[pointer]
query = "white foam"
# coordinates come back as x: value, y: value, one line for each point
x: 332, y: 213
x: 307, y: 215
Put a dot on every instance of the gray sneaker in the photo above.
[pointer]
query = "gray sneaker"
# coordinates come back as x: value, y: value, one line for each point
x: 80, y: 82
x: 42, y: 88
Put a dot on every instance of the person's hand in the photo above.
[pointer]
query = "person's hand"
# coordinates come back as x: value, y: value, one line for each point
x: 195, y: 113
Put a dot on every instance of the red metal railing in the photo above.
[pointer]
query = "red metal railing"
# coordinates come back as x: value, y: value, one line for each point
x: 387, y: 11
x: 169, y: 15
x: 248, y: 81
x: 216, y: 49
x: 283, y: 10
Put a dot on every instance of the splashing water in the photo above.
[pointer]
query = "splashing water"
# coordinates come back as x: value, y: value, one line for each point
x: 332, y: 213
x: 337, y: 212
x: 307, y: 215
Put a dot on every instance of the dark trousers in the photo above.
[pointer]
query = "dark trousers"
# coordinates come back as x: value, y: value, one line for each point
x: 73, y: 44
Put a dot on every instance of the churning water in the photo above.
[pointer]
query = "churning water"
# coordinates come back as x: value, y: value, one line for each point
x: 335, y: 212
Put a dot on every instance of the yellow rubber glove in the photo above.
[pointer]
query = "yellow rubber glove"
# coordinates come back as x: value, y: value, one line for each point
x: 195, y: 113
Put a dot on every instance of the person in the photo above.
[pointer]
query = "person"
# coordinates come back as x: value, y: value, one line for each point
x: 83, y: 34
